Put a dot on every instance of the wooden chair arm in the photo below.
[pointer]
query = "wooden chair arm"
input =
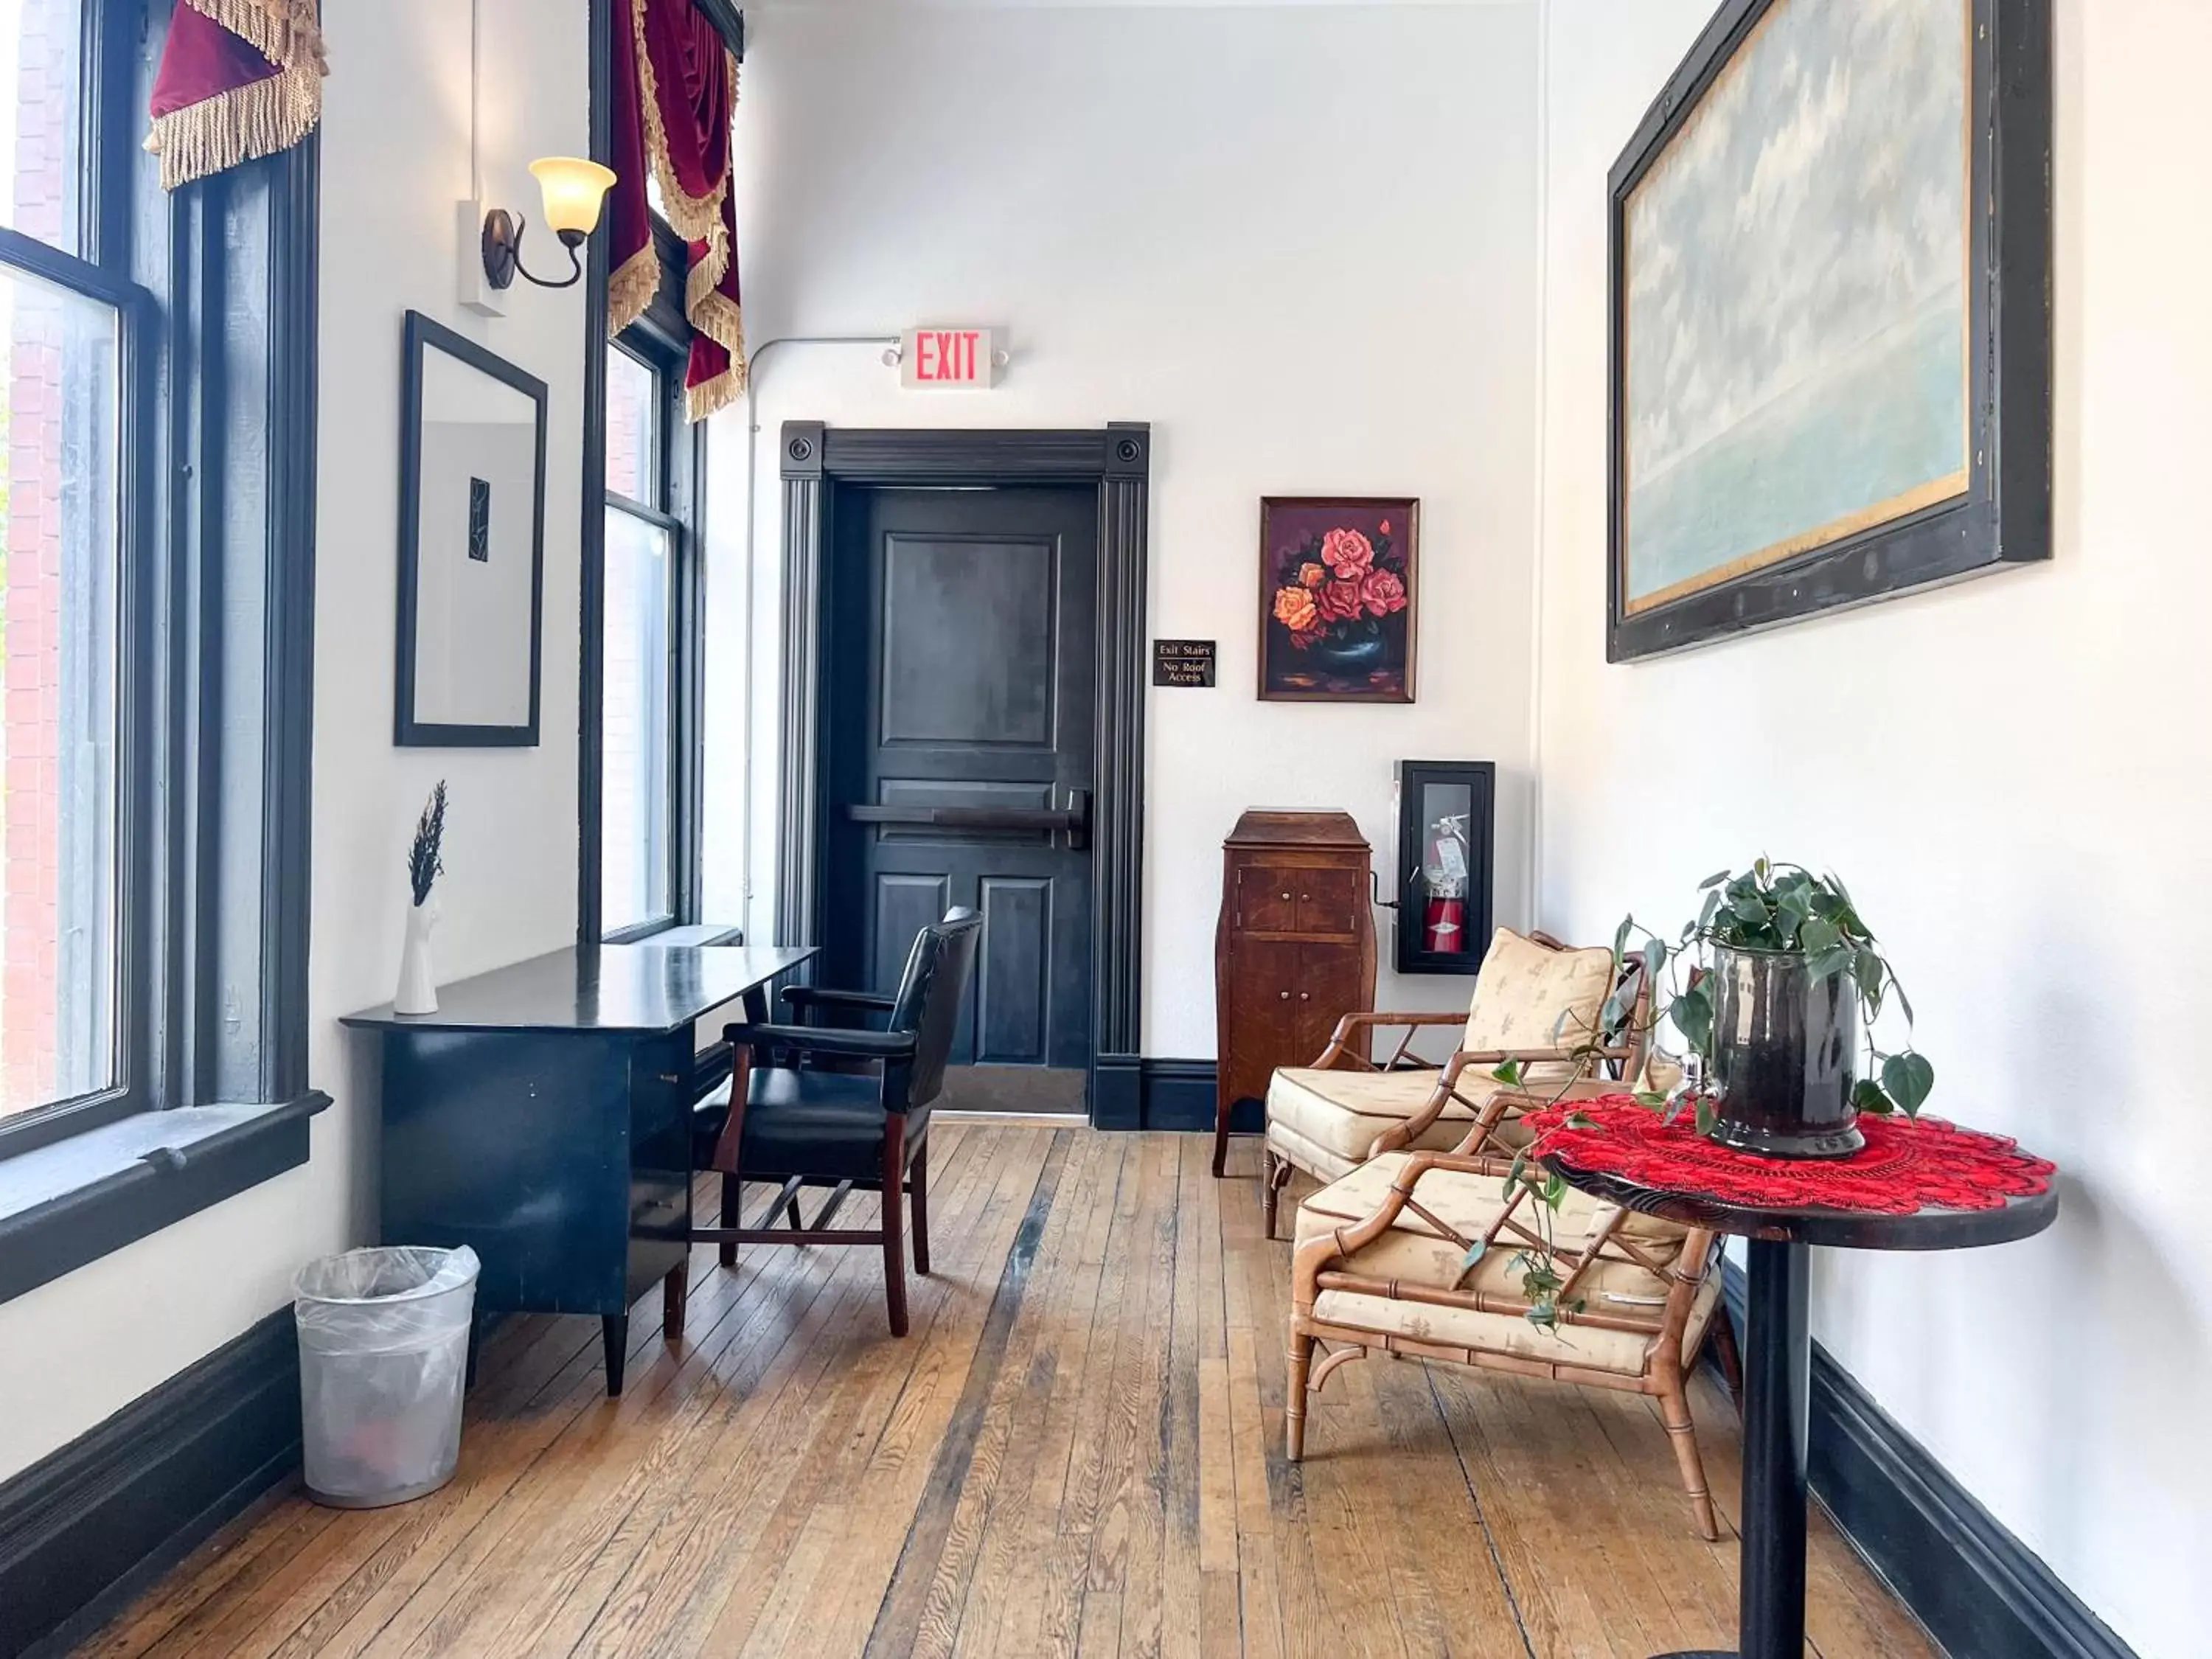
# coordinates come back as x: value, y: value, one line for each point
x: 1313, y: 1256
x: 1339, y: 1055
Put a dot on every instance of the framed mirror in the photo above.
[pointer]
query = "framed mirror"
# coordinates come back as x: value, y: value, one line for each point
x: 471, y: 545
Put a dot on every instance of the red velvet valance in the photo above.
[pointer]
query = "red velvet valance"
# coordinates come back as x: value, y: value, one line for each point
x: 238, y: 79
x: 675, y: 93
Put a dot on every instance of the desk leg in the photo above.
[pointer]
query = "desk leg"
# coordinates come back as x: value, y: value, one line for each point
x: 1778, y: 1372
x: 614, y: 1339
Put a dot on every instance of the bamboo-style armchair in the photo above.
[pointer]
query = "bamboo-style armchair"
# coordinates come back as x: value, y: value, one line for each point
x: 1536, y: 1001
x: 1379, y: 1265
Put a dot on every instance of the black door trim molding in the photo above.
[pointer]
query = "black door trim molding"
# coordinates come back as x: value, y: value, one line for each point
x: 1115, y: 460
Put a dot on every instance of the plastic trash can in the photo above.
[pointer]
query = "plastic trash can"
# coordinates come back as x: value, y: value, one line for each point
x: 384, y: 1351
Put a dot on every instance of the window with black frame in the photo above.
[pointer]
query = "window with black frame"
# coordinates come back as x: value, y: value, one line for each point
x: 646, y: 631
x: 65, y: 319
x: 156, y: 451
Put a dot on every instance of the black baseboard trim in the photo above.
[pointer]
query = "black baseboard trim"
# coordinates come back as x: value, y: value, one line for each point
x: 1134, y: 1091
x: 87, y: 1528
x: 1977, y: 1589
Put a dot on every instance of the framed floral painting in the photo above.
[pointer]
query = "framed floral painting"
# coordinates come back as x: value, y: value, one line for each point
x: 1336, y: 599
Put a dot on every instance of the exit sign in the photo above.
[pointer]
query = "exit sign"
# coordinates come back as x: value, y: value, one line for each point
x: 952, y: 358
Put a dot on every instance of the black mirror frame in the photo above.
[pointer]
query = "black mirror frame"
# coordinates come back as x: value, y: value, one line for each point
x: 408, y: 732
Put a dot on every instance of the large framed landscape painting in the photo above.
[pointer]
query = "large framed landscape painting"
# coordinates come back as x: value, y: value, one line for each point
x: 1831, y: 315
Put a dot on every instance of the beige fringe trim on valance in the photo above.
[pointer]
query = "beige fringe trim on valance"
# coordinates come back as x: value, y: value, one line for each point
x: 259, y: 118
x: 630, y: 289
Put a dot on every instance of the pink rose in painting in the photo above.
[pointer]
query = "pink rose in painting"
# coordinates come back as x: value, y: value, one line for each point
x: 1382, y: 593
x: 1348, y: 553
x: 1340, y: 601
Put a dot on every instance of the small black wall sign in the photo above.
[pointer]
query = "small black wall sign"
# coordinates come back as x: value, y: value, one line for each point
x: 1182, y: 662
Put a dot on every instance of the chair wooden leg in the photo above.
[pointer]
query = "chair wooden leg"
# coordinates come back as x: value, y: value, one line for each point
x: 894, y: 1242
x: 1294, y: 1396
x: 733, y: 1204
x: 1270, y: 1189
x: 1675, y: 1409
x: 671, y: 1301
x: 1220, y: 1137
x: 918, y: 1181
x: 1731, y: 1360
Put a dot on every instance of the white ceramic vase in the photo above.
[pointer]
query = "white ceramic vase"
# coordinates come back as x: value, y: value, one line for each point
x: 418, y: 986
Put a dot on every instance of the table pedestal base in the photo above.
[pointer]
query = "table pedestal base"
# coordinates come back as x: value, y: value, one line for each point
x: 1777, y: 1383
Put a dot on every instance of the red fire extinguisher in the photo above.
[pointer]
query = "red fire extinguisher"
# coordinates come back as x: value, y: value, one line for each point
x: 1443, y: 923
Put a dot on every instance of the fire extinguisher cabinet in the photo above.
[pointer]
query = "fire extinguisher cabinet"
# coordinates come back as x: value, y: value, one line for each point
x: 1447, y: 824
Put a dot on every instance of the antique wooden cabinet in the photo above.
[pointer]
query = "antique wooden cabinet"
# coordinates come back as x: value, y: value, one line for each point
x: 1294, y: 950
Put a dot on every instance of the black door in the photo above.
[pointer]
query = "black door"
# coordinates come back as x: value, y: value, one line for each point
x: 960, y: 678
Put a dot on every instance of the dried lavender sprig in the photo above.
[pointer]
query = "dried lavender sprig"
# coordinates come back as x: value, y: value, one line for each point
x: 425, y: 862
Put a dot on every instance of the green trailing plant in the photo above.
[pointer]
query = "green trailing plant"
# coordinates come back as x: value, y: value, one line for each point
x: 1780, y: 907
x: 426, y: 856
x: 1770, y: 906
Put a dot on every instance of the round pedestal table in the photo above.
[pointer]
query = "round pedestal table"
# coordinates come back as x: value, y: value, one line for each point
x: 1777, y: 1346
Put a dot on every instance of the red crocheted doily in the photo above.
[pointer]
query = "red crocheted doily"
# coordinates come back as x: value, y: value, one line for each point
x: 1906, y: 1165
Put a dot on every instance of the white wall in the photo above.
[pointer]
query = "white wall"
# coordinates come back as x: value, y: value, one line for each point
x: 1299, y: 241
x: 2010, y: 775
x: 395, y: 160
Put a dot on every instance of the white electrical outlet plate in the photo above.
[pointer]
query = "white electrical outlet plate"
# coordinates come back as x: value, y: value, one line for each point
x: 477, y: 293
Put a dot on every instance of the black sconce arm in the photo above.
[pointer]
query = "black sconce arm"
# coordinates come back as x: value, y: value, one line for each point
x: 502, y: 253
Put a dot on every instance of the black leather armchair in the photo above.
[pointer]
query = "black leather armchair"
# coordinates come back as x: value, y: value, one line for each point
x: 840, y: 1107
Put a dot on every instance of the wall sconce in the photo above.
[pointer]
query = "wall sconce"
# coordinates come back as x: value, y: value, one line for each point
x: 573, y: 190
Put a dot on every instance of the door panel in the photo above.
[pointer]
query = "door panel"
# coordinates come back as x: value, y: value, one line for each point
x: 1330, y: 986
x: 1266, y: 973
x: 905, y: 904
x: 1329, y: 901
x: 943, y: 597
x: 1013, y: 990
x: 960, y: 673
x: 1266, y: 902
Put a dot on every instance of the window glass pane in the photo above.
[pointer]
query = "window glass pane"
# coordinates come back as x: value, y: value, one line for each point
x: 635, y: 806
x: 633, y: 426
x: 58, y: 610
x: 39, y: 99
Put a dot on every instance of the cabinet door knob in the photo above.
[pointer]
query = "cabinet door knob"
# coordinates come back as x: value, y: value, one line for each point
x: 1305, y: 899
x: 1305, y: 996
x: 1286, y: 898
x: 1286, y: 996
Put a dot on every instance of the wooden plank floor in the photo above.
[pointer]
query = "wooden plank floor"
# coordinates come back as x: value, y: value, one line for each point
x: 1078, y: 1450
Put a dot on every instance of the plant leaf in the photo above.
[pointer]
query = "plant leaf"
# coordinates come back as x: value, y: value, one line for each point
x: 1714, y: 880
x: 1818, y: 936
x: 1867, y: 1096
x: 1692, y: 1014
x: 1508, y: 1072
x: 1555, y: 1190
x: 1908, y: 1078
x: 1707, y: 1116
x: 1620, y: 940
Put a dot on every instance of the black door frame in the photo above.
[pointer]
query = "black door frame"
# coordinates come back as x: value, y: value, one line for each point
x: 1115, y: 460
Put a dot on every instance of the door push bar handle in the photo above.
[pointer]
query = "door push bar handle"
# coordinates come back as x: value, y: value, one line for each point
x: 1073, y: 820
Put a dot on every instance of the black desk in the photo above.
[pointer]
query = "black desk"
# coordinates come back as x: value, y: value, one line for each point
x: 543, y: 1117
x: 1777, y: 1365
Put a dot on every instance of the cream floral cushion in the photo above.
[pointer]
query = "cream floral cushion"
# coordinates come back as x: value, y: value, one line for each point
x: 1342, y: 1112
x: 1530, y: 996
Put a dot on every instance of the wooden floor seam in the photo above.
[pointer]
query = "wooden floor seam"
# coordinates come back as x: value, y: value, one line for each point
x: 1078, y: 1450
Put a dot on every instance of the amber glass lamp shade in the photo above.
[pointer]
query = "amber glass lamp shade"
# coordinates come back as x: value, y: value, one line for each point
x: 573, y: 190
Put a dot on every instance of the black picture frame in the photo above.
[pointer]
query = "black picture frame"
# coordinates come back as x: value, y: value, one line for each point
x: 424, y: 334
x: 2004, y: 516
x: 1415, y: 778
